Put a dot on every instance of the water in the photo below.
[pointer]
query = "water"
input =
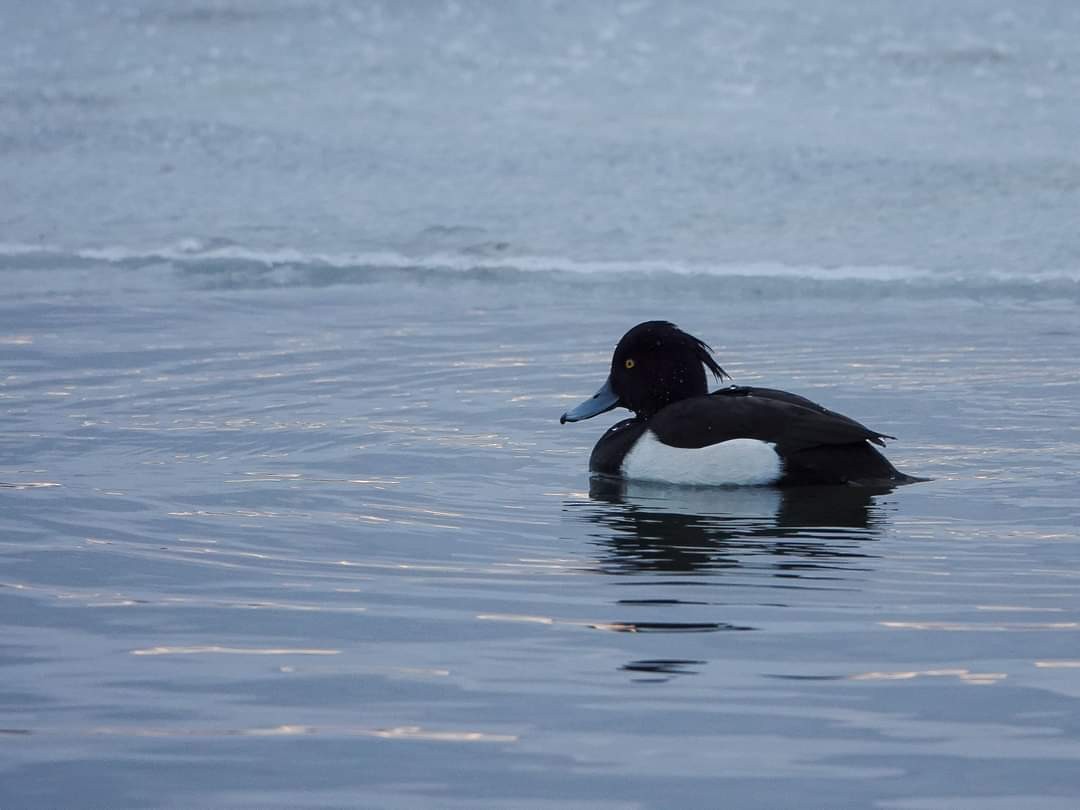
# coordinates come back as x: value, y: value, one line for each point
x: 294, y: 295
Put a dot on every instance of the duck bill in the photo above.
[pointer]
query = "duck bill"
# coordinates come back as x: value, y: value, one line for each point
x: 603, y: 400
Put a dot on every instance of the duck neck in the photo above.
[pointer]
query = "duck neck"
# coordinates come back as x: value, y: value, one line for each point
x: 680, y: 382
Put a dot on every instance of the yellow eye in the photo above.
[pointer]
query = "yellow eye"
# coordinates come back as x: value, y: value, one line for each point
x: 630, y: 362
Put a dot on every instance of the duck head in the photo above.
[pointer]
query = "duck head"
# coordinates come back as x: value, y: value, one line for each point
x: 654, y: 365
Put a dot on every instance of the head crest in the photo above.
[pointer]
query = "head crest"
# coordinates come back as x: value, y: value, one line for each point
x: 705, y: 354
x: 702, y: 349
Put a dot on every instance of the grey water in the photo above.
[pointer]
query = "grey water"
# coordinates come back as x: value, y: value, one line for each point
x: 292, y: 295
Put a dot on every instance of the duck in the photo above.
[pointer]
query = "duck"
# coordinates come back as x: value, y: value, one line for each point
x: 737, y: 435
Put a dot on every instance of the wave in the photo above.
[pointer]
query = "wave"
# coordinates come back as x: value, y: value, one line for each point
x: 226, y: 265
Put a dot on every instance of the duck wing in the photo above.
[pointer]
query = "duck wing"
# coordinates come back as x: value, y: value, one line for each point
x: 792, y: 422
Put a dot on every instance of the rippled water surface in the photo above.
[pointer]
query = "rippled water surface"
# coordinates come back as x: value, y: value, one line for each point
x: 292, y: 294
x: 297, y: 547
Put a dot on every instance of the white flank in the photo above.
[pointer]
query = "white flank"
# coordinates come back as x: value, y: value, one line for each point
x: 737, y: 462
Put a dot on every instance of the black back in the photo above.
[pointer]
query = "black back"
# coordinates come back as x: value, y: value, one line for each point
x: 790, y: 421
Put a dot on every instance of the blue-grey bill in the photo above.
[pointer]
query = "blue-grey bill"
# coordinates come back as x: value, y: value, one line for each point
x: 603, y: 400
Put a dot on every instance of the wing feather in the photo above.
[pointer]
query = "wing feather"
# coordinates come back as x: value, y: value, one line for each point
x: 793, y: 422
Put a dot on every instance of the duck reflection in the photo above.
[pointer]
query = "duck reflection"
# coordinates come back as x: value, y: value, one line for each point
x: 796, y: 532
x: 661, y: 670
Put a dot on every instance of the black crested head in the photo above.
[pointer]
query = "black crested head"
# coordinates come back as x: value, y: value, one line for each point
x: 656, y: 364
